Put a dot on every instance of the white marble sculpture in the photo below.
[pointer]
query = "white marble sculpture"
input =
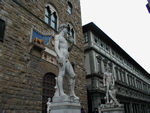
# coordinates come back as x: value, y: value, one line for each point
x: 48, y: 105
x: 64, y: 65
x: 112, y: 93
x: 109, y: 83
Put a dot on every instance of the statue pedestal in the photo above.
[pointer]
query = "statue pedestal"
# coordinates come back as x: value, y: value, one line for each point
x: 65, y: 107
x: 65, y: 104
x: 112, y: 109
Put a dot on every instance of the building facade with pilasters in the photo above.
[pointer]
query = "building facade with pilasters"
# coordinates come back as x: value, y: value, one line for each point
x: 132, y: 81
x: 28, y: 64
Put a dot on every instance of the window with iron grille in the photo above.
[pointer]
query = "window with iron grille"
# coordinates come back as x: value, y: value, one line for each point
x: 48, y: 90
x: 2, y: 29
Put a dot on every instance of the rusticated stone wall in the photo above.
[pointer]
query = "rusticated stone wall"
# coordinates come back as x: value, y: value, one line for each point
x: 22, y: 67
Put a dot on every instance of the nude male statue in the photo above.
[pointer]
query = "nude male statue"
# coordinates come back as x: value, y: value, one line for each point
x: 108, y: 81
x: 112, y: 93
x: 65, y: 67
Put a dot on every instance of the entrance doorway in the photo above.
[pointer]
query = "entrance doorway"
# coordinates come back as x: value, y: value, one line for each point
x: 48, y: 89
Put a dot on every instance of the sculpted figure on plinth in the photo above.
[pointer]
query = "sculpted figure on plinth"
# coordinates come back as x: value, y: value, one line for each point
x: 65, y: 68
x: 109, y: 83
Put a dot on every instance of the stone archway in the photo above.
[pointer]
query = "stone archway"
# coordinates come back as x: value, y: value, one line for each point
x: 48, y: 86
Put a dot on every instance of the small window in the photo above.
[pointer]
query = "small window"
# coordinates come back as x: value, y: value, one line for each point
x: 51, y: 17
x: 96, y: 40
x: 2, y: 29
x: 54, y: 21
x: 47, y: 15
x: 102, y: 45
x: 73, y: 65
x: 113, y: 53
x: 71, y: 32
x: 69, y: 8
x: 85, y: 38
x: 107, y: 49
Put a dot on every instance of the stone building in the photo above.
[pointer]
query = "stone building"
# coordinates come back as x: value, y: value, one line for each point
x: 27, y: 58
x: 132, y: 81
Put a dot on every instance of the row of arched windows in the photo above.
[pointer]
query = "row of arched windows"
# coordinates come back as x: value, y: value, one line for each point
x: 52, y: 19
x: 51, y: 16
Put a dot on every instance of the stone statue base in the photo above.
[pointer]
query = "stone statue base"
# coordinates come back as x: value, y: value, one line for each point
x: 65, y: 104
x: 112, y: 109
x: 65, y: 107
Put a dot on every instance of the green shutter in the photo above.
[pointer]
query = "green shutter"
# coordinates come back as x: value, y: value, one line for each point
x: 2, y: 29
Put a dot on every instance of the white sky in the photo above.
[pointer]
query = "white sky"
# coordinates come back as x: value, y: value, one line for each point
x: 127, y: 22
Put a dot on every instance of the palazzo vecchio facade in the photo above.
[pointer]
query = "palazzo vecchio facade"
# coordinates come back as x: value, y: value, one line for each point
x: 27, y: 58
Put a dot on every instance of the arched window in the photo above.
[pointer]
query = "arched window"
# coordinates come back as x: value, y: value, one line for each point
x: 54, y: 21
x: 71, y: 32
x: 69, y: 8
x: 51, y: 16
x: 48, y: 89
x: 2, y: 30
x: 47, y: 15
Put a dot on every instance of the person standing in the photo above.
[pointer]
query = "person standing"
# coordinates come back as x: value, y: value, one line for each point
x: 83, y: 110
x: 96, y: 110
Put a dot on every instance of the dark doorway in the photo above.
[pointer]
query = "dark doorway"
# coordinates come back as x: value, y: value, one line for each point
x: 48, y: 89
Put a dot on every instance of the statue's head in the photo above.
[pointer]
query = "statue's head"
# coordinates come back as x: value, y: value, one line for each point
x: 63, y: 28
x: 49, y: 99
x: 109, y: 69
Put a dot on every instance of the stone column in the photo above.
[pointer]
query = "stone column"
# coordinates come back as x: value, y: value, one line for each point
x: 141, y: 85
x: 131, y: 108
x: 126, y: 76
x: 113, y: 71
x: 92, y: 61
x: 147, y: 108
x: 102, y: 64
x: 100, y: 61
x: 119, y: 76
x: 135, y: 82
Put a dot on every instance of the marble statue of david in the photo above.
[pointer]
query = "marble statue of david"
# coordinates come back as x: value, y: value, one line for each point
x: 64, y: 65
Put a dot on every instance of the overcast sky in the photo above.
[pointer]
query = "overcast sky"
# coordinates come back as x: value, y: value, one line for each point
x: 127, y: 22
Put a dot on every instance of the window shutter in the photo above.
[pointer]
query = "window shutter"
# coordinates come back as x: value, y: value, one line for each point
x: 2, y: 29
